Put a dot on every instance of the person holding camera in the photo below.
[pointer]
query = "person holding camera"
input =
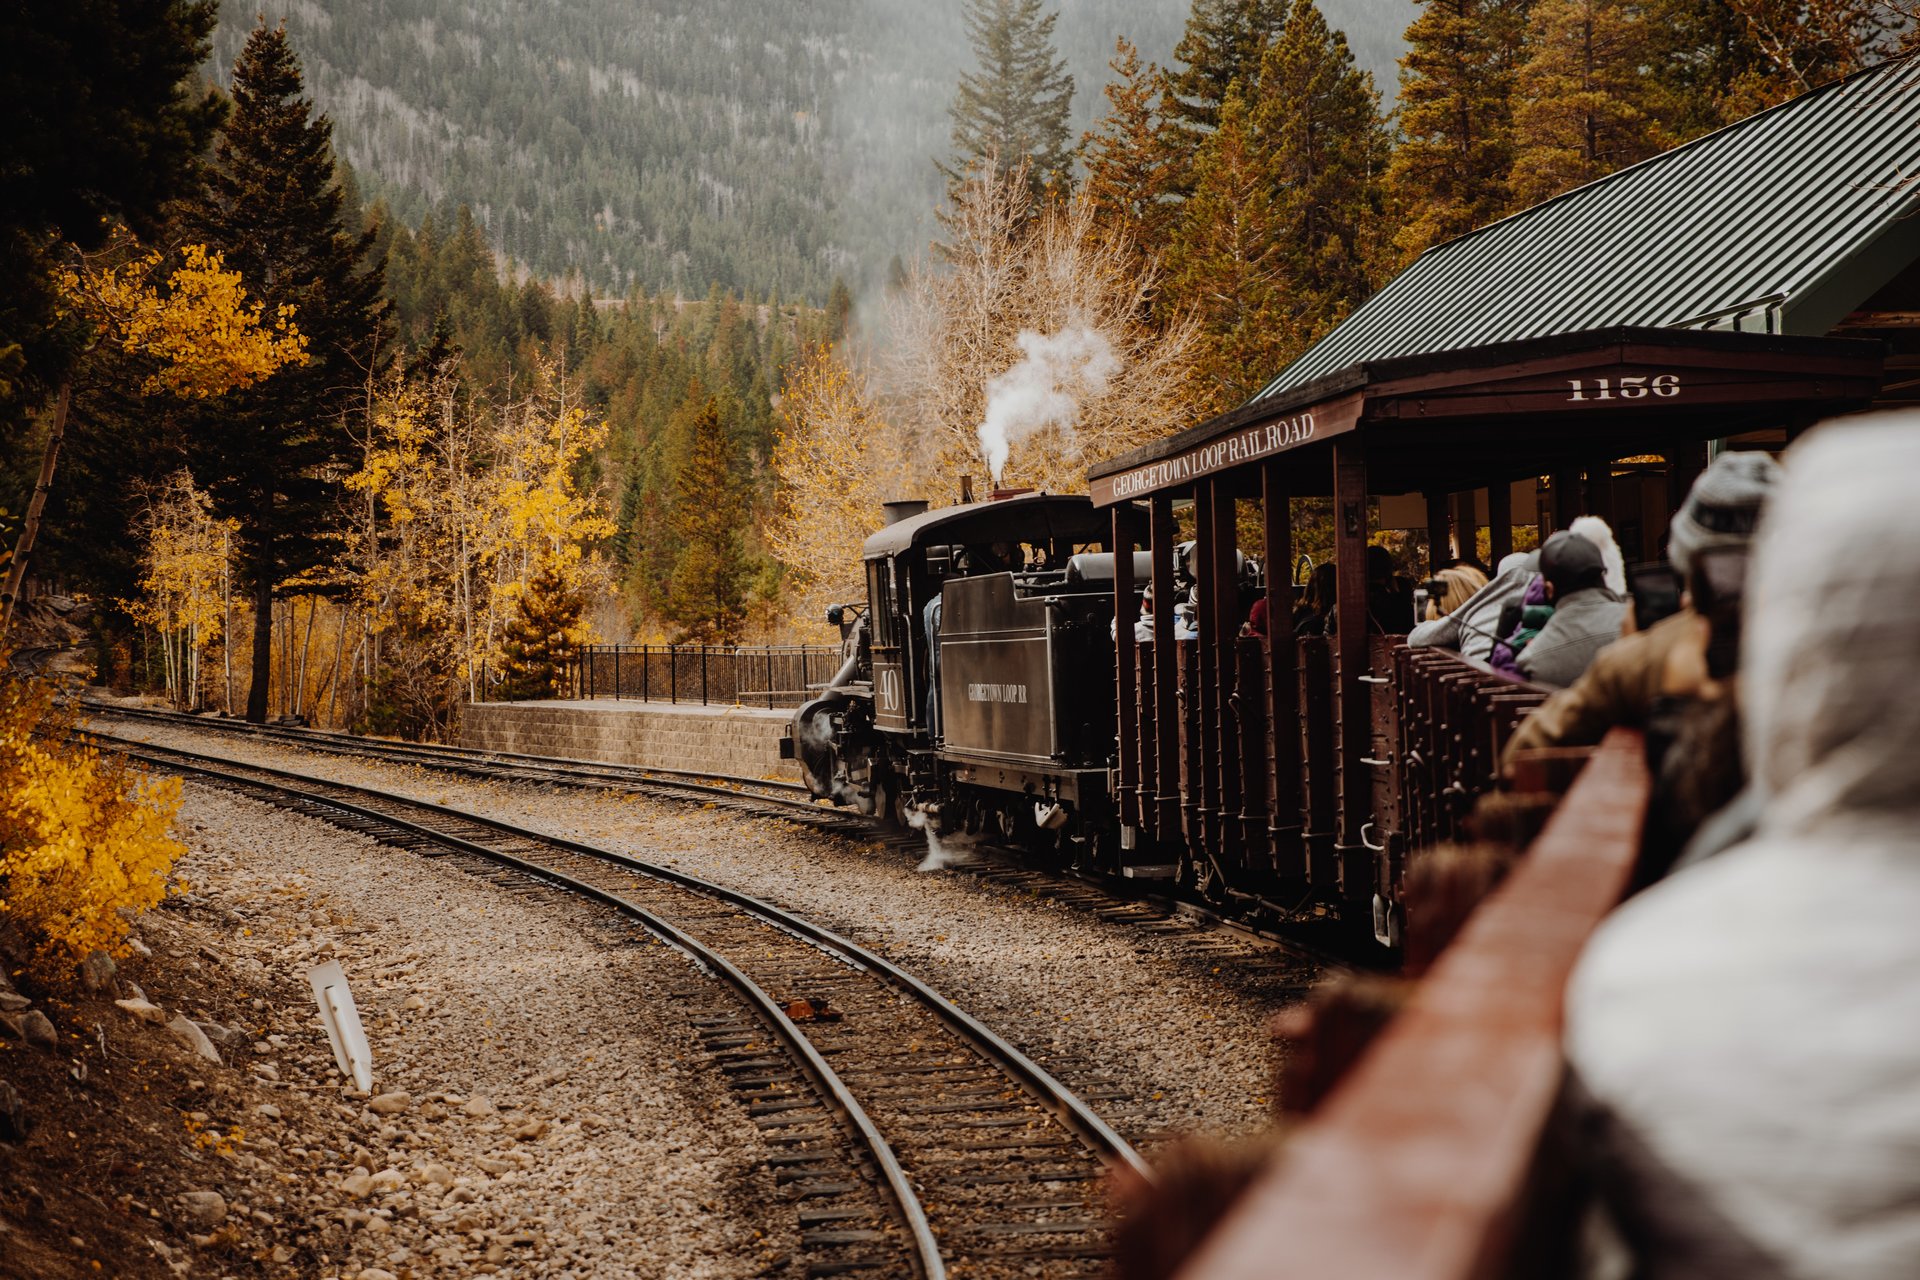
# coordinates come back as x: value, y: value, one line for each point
x: 1674, y: 658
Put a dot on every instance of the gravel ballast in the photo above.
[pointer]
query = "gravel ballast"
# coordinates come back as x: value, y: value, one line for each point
x: 538, y: 1108
x: 1172, y: 1045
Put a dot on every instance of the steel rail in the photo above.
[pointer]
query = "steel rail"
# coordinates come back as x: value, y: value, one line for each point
x: 824, y: 1076
x: 1067, y: 1107
x: 653, y: 774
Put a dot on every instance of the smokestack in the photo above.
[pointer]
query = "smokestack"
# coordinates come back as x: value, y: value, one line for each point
x: 903, y: 509
x: 966, y: 489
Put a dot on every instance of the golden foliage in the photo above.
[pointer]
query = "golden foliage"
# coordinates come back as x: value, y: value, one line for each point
x: 836, y: 461
x: 185, y: 576
x: 81, y: 838
x: 207, y: 336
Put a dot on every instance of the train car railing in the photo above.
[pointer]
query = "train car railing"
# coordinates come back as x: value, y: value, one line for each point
x: 1424, y: 1149
x: 706, y: 675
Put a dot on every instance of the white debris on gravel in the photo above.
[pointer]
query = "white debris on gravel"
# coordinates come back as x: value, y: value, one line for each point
x: 539, y: 1109
x: 1104, y: 1006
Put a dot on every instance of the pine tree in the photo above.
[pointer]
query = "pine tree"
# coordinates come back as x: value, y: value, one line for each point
x: 1014, y: 108
x: 541, y: 643
x: 1449, y: 175
x: 269, y: 455
x: 1223, y: 44
x: 1225, y: 261
x: 1586, y: 101
x: 1325, y: 147
x: 707, y: 595
x: 1129, y: 167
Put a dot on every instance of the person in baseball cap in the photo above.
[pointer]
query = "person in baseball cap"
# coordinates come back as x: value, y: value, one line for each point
x: 1628, y: 677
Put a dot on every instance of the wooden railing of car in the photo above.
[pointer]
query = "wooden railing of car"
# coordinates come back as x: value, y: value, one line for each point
x: 1420, y: 1147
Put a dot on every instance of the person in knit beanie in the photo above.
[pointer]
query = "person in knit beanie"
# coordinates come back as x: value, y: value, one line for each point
x: 1630, y: 676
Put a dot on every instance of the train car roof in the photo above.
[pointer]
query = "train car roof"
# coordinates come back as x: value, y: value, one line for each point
x: 1031, y: 518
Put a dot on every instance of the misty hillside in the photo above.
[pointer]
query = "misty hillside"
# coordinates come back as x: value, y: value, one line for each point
x: 677, y: 144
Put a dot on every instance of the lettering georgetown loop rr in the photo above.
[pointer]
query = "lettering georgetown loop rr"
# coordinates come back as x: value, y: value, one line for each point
x: 1241, y: 446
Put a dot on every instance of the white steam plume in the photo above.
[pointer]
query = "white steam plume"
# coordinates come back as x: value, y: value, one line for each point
x: 1045, y: 389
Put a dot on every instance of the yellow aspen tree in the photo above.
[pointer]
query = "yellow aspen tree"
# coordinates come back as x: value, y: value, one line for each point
x: 184, y: 562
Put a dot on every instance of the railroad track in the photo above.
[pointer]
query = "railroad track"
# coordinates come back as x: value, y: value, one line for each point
x: 910, y: 1137
x: 1256, y: 953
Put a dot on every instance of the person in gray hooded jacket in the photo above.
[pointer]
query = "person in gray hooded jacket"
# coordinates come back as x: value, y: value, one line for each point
x: 1586, y: 612
x: 1471, y: 629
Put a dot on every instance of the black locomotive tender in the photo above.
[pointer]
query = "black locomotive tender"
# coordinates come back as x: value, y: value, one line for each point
x: 977, y: 694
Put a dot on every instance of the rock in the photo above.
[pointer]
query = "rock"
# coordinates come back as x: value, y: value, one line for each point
x: 414, y: 1003
x: 358, y: 1185
x: 144, y: 1009
x: 138, y: 947
x: 389, y: 1180
x: 12, y: 1027
x: 390, y: 1104
x: 438, y: 1174
x: 268, y: 1110
x: 219, y: 1033
x: 97, y: 972
x: 13, y: 1115
x: 495, y: 1167
x: 188, y: 1032
x: 479, y: 1108
x: 203, y: 1208
x: 530, y: 1130
x: 376, y: 1273
x: 13, y: 1002
x: 39, y: 1031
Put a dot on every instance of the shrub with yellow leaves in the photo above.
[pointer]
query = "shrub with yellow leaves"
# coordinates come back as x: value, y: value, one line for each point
x: 81, y: 837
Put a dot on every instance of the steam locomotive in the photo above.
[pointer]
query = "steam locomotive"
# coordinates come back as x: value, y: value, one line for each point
x: 977, y: 695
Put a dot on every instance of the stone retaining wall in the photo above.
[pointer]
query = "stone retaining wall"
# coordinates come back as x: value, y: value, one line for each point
x: 737, y: 740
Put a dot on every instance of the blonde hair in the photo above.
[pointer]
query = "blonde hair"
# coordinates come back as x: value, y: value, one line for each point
x: 1462, y: 580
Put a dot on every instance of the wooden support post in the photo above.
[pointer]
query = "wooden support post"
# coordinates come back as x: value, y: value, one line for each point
x: 1223, y: 619
x: 1283, y: 679
x: 1126, y: 717
x: 1466, y: 526
x: 1206, y: 533
x: 1566, y: 496
x: 1686, y: 459
x: 1600, y: 489
x: 1499, y: 524
x: 1439, y: 545
x: 1166, y: 657
x: 1351, y: 654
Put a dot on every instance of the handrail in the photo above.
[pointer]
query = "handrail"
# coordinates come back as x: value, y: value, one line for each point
x: 1420, y: 1163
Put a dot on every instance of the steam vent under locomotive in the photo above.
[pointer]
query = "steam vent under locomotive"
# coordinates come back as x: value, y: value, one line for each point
x: 977, y: 693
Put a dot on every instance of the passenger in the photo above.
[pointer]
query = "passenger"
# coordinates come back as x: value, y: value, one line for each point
x: 1389, y: 594
x: 1142, y: 625
x: 1626, y: 679
x: 1457, y: 585
x: 1580, y: 566
x: 1314, y: 614
x: 1744, y: 1036
x: 1520, y: 622
x: 1257, y: 618
x: 1473, y: 627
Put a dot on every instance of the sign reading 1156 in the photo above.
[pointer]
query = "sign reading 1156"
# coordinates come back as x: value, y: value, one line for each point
x: 1626, y: 387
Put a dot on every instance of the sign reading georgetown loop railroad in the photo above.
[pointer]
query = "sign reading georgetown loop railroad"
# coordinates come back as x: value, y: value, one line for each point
x: 1244, y: 445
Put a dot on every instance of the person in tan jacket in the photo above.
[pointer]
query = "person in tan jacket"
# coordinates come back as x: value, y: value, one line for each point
x: 1625, y: 679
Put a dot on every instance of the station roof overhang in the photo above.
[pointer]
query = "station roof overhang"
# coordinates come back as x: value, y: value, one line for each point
x: 1461, y: 419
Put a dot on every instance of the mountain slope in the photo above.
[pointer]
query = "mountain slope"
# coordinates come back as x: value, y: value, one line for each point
x: 675, y: 144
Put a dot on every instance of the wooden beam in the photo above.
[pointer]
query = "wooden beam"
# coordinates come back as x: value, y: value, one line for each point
x: 1566, y: 496
x: 1439, y: 544
x: 1466, y: 525
x: 1223, y: 619
x: 1686, y: 459
x: 1355, y: 701
x: 1499, y: 523
x: 1127, y: 711
x: 1283, y: 677
x: 1166, y: 657
x: 1600, y: 489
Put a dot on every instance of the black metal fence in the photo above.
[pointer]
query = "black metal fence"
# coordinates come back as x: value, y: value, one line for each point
x: 724, y: 675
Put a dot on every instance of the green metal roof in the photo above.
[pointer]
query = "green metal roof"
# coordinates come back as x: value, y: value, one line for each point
x: 1782, y: 223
